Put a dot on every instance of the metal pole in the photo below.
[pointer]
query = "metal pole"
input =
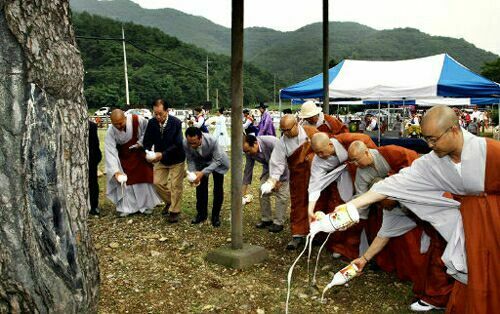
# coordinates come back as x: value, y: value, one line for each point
x: 236, y: 126
x: 379, y: 122
x: 326, y: 80
x: 274, y: 91
x: 208, y: 93
x: 279, y: 100
x: 217, y: 98
x: 125, y: 68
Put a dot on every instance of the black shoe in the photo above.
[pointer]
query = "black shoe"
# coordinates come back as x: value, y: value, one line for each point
x: 263, y: 224
x: 173, y: 218
x: 165, y: 210
x: 216, y: 223
x: 275, y: 228
x: 95, y: 211
x: 197, y: 220
x: 295, y: 243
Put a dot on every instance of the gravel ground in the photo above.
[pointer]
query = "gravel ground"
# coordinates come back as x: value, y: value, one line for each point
x: 150, y: 266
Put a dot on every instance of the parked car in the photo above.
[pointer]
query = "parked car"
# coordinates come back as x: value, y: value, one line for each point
x: 146, y: 113
x: 374, y: 112
x: 181, y: 114
x: 401, y: 112
x: 103, y: 111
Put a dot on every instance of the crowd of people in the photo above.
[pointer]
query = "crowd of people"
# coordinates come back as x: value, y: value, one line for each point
x: 433, y: 220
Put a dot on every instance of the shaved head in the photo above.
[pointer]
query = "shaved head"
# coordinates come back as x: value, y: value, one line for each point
x: 441, y: 117
x: 442, y: 132
x: 359, y: 154
x: 287, y: 121
x: 289, y: 126
x: 356, y: 148
x: 322, y: 146
x: 118, y: 119
x: 319, y: 140
x: 117, y: 115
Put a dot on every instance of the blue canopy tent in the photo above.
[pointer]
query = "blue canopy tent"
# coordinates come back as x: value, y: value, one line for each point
x: 423, y: 78
x: 429, y: 77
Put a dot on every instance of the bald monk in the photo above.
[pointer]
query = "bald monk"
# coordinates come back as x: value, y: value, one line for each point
x: 124, y: 155
x: 467, y: 166
x: 312, y: 115
x: 293, y: 151
x: 400, y: 244
x: 331, y: 184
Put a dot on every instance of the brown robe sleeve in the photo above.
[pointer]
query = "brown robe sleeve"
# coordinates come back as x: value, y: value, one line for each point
x: 337, y: 127
x: 347, y: 138
x: 397, y: 157
x: 310, y: 130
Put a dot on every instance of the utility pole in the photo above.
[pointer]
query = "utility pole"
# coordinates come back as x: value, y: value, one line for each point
x: 274, y: 91
x: 125, y: 67
x: 217, y: 98
x: 326, y: 79
x: 238, y: 254
x: 208, y: 86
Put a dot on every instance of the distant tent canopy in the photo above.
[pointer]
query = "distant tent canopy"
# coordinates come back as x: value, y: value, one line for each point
x: 428, y: 77
x: 412, y: 102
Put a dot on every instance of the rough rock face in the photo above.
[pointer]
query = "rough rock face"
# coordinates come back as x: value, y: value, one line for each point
x: 47, y: 263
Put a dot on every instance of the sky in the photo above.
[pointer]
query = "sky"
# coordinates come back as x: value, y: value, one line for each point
x: 477, y: 21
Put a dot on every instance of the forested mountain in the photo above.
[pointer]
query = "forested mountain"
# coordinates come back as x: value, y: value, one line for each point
x: 150, y: 77
x: 296, y: 55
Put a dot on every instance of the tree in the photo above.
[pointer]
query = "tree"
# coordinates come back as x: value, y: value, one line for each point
x: 491, y: 70
x: 47, y: 263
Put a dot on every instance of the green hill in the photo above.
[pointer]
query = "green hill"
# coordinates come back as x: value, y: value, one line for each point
x: 150, y: 77
x: 293, y: 55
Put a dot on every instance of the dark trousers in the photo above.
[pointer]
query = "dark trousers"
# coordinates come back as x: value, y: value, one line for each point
x: 93, y: 187
x: 202, y: 196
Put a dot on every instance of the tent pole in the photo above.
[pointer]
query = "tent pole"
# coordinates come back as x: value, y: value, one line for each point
x: 379, y: 122
x: 389, y: 117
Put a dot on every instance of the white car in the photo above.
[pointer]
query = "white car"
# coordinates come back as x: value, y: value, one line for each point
x: 103, y: 111
x: 146, y: 113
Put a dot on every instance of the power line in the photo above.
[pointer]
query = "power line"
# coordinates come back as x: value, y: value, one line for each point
x: 141, y: 49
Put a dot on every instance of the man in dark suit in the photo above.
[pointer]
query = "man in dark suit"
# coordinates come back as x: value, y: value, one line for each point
x: 95, y: 157
x: 164, y: 134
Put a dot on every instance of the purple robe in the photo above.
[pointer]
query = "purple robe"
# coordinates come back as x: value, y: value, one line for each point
x: 266, y: 126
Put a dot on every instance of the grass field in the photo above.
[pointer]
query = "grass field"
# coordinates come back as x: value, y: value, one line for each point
x: 150, y: 266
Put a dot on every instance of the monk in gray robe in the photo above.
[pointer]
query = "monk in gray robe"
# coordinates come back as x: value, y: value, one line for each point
x: 125, y: 156
x: 468, y: 167
x: 331, y: 184
x: 293, y: 151
x: 403, y: 243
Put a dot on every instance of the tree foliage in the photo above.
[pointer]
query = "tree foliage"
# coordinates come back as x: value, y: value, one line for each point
x: 491, y: 70
x: 150, y: 77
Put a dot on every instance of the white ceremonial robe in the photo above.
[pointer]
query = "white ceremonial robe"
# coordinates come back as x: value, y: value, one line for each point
x: 421, y: 188
x: 132, y: 198
x: 326, y: 171
x: 220, y: 132
x: 283, y: 149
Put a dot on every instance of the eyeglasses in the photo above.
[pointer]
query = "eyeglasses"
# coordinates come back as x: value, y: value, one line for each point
x: 287, y: 130
x: 430, y: 140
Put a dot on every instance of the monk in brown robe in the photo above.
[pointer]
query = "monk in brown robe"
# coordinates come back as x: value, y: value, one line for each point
x: 331, y: 184
x: 293, y: 150
x: 468, y: 167
x: 404, y: 244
